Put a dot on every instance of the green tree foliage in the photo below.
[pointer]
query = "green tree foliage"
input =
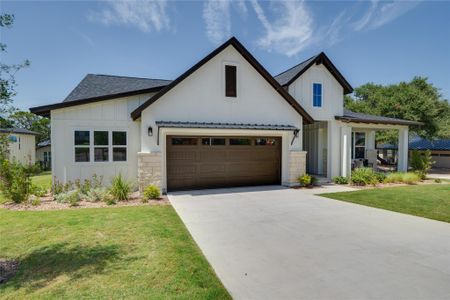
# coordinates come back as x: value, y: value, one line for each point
x: 417, y: 100
x: 7, y: 73
x: 30, y: 121
x: 421, y: 162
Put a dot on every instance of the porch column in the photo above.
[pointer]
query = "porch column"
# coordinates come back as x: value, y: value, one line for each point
x: 402, y: 162
x: 370, y: 140
x: 346, y: 144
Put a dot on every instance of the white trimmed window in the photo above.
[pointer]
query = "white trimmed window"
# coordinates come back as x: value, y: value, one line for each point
x: 100, y: 146
x: 359, y: 145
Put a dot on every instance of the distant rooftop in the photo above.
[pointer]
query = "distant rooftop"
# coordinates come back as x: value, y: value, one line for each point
x: 17, y: 131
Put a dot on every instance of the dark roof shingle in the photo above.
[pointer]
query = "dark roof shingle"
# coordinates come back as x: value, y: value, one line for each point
x: 18, y: 131
x: 94, y: 85
x: 418, y: 143
x: 286, y: 76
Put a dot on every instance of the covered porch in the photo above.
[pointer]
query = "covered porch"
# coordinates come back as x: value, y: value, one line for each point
x: 335, y: 147
x: 358, y: 141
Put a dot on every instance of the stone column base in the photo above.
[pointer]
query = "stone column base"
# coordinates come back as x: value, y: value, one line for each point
x: 149, y: 170
x: 296, y: 166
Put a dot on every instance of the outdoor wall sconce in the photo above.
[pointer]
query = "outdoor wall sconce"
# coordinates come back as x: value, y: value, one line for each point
x: 150, y: 131
x: 296, y: 131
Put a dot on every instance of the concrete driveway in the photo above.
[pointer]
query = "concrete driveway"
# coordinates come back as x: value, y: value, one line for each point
x: 278, y: 243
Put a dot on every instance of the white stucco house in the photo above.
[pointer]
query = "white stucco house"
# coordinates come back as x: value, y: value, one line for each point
x: 21, y: 145
x: 224, y: 122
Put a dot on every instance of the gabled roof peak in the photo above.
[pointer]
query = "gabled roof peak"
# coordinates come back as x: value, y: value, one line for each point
x: 290, y: 75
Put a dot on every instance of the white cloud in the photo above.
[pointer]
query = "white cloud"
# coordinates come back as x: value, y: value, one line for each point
x: 382, y: 13
x: 217, y: 17
x: 84, y: 37
x: 146, y: 15
x: 290, y: 32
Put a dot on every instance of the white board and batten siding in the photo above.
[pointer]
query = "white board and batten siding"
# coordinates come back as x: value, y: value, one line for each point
x: 23, y: 148
x: 109, y: 115
x: 201, y: 98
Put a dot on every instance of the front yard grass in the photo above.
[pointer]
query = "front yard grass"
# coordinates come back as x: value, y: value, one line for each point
x: 109, y: 253
x: 429, y: 201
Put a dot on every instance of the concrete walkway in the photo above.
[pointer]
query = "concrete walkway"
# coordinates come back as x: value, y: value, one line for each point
x: 278, y: 243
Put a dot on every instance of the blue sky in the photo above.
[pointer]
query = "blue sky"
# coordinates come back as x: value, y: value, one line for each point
x: 369, y: 41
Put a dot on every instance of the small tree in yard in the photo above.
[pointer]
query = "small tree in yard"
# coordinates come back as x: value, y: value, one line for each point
x: 421, y: 162
x: 15, y: 181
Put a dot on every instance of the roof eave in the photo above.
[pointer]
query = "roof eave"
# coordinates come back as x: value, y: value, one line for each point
x: 385, y: 122
x: 44, y: 110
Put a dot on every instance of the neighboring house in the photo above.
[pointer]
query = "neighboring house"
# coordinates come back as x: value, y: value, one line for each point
x: 22, y: 144
x: 224, y: 122
x: 439, y: 148
x: 44, y: 154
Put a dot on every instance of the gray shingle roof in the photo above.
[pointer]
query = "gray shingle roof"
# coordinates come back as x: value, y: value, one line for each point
x: 286, y: 76
x: 172, y: 124
x: 18, y: 131
x: 350, y: 116
x: 94, y: 85
x: 418, y: 143
x: 44, y: 144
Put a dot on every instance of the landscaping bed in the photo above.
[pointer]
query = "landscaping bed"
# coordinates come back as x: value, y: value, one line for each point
x: 48, y: 203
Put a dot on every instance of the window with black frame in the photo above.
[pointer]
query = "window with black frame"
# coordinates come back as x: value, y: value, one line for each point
x: 82, y: 145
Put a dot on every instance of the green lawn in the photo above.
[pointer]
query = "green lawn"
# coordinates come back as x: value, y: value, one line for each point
x: 109, y: 253
x: 43, y: 180
x: 429, y: 201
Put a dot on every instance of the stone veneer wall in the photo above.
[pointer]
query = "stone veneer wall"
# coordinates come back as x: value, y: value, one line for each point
x: 297, y: 166
x: 149, y: 169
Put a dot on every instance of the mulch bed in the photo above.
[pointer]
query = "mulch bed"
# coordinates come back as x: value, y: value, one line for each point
x: 8, y: 267
x: 47, y: 203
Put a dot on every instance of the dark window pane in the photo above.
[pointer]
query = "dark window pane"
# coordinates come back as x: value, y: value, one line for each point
x: 101, y: 154
x: 82, y: 138
x: 317, y: 94
x: 206, y: 141
x: 217, y: 141
x: 81, y: 154
x: 119, y: 138
x: 101, y: 138
x: 360, y: 139
x: 12, y: 139
x: 230, y: 81
x: 119, y: 154
x: 184, y: 141
x: 359, y: 152
x: 240, y: 142
x: 265, y: 142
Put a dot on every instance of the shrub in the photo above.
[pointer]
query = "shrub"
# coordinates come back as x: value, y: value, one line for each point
x: 381, y: 177
x: 340, y: 180
x: 120, y: 188
x: 151, y: 192
x: 364, y: 176
x: 314, y: 180
x: 304, y: 180
x: 37, y: 191
x: 110, y: 201
x: 36, y: 202
x: 437, y: 180
x: 98, y: 194
x: 57, y: 187
x: 96, y: 181
x: 421, y: 162
x: 394, y: 177
x: 15, y: 182
x: 72, y: 197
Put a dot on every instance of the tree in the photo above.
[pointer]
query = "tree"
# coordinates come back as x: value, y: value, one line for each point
x: 417, y: 100
x: 30, y: 121
x: 7, y: 73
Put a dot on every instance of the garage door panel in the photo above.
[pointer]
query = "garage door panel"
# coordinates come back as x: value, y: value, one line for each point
x: 208, y: 166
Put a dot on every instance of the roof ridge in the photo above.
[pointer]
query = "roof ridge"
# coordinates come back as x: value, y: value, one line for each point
x: 314, y: 56
x: 134, y: 77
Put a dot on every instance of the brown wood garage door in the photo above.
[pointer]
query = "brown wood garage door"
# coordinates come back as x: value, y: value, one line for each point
x: 209, y: 162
